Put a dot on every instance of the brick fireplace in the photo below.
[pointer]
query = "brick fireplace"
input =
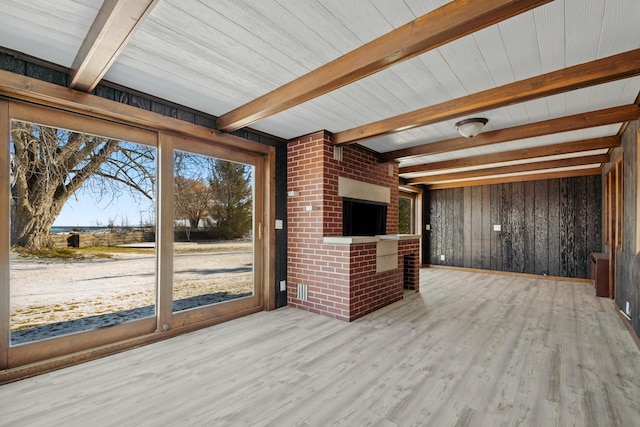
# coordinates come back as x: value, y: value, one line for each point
x: 344, y: 277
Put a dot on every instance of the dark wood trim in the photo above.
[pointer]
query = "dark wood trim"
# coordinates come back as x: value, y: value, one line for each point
x: 603, y: 70
x: 522, y: 154
x: 110, y: 32
x: 443, y: 25
x: 33, y: 60
x: 563, y: 124
x: 500, y: 170
x: 517, y: 178
x: 5, y: 217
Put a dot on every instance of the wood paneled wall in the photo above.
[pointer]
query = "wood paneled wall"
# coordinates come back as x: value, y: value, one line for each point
x: 31, y: 67
x: 546, y: 227
x: 627, y: 272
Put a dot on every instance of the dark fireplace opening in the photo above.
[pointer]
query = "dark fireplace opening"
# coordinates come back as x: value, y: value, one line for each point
x: 363, y: 218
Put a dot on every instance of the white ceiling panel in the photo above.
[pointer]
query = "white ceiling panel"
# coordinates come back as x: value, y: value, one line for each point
x: 50, y: 30
x: 520, y: 37
x: 506, y: 175
x: 550, y: 26
x: 557, y: 138
x: 510, y: 163
x: 217, y: 55
x: 603, y: 96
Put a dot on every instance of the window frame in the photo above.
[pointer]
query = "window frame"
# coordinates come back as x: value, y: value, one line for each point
x: 18, y: 95
x: 415, y: 194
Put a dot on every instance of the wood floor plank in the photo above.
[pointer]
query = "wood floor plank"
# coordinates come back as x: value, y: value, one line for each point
x: 471, y: 349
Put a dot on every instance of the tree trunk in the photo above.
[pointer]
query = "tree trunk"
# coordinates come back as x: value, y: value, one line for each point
x: 31, y: 228
x: 47, y: 175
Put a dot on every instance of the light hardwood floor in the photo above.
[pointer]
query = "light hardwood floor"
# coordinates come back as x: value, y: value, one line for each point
x: 471, y: 349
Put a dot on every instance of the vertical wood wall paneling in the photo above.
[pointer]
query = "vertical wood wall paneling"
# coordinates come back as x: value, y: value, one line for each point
x: 281, y: 213
x: 468, y: 222
x: 571, y: 230
x: 496, y: 236
x: 580, y: 239
x: 594, y: 225
x: 447, y: 227
x: 562, y: 225
x: 434, y: 258
x: 554, y: 227
x: 547, y: 226
x: 450, y: 219
x: 457, y: 256
x: 627, y: 268
x: 517, y: 227
x: 507, y: 231
x: 541, y: 227
x: 426, y: 219
x: 476, y: 226
x: 529, y: 235
x: 36, y: 70
x: 487, y: 228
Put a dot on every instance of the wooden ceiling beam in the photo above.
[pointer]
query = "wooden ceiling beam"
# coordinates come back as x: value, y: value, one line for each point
x: 517, y: 178
x: 563, y: 124
x: 505, y: 170
x: 522, y: 154
x: 110, y: 32
x: 603, y: 70
x: 443, y: 25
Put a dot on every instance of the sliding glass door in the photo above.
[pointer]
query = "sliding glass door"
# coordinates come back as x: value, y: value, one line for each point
x: 113, y: 232
x: 82, y: 231
x: 216, y: 235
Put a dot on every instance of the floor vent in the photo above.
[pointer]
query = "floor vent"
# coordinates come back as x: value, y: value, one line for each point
x: 302, y: 292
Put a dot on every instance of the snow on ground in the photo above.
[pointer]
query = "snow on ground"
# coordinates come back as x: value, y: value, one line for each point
x: 97, y: 289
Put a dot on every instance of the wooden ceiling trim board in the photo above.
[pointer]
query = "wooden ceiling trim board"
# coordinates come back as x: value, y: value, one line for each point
x: 52, y: 95
x: 563, y: 124
x: 592, y: 73
x: 443, y: 25
x: 522, y: 154
x: 503, y: 170
x: 517, y: 178
x: 625, y: 124
x: 110, y: 32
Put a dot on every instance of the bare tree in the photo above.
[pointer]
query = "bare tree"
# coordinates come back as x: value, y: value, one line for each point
x: 192, y: 200
x: 50, y: 165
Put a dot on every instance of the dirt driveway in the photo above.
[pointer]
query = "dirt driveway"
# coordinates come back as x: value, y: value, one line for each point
x: 47, y: 291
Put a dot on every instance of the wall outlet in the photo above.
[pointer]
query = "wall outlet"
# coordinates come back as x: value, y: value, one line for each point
x: 627, y: 309
x: 497, y: 227
x: 279, y: 224
x: 442, y: 257
x: 283, y: 285
x: 427, y: 227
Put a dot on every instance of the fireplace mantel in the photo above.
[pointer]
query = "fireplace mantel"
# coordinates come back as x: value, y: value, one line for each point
x: 350, y: 240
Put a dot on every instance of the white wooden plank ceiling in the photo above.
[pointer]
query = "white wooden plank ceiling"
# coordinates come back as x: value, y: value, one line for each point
x: 216, y: 55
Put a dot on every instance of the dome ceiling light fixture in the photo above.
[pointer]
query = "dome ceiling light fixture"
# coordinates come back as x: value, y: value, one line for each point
x: 471, y: 127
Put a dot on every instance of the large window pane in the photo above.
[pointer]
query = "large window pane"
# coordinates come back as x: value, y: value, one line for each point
x: 82, y: 231
x: 213, y: 223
